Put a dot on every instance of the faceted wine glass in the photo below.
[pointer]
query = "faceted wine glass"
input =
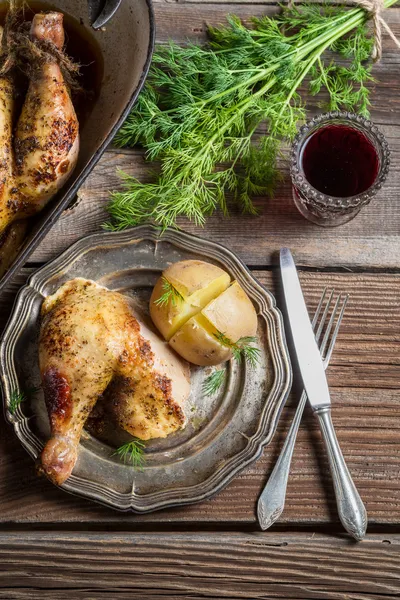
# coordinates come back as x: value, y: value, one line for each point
x: 319, y: 206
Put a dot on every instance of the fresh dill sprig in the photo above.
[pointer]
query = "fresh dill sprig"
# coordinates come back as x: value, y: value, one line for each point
x: 243, y: 348
x: 214, y: 382
x: 203, y: 108
x: 133, y: 452
x: 170, y: 294
x: 17, y: 397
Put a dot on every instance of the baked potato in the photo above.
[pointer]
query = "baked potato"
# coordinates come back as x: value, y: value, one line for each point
x: 197, y: 308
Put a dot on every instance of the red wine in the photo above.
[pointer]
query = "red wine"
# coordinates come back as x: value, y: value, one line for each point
x: 340, y: 161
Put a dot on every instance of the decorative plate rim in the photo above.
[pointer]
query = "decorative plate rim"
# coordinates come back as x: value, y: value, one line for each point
x: 271, y: 411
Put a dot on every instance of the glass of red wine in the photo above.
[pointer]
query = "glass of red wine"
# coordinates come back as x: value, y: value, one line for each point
x: 339, y: 161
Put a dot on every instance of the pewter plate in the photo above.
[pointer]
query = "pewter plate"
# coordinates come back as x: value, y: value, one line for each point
x: 225, y: 433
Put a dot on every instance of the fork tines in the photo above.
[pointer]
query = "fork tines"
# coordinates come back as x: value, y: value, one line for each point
x: 327, y: 320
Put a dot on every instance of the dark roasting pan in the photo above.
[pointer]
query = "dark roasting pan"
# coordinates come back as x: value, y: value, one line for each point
x: 126, y: 46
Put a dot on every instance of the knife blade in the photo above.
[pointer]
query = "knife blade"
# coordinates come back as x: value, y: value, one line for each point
x: 351, y: 509
x: 308, y: 355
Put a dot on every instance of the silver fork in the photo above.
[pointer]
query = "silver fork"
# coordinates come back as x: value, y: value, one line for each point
x: 272, y: 499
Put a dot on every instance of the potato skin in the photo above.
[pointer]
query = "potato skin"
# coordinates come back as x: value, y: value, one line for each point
x: 166, y: 315
x: 192, y: 276
x: 198, y: 346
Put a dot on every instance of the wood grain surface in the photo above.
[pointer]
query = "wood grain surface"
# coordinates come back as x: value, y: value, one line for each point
x: 61, y: 566
x: 364, y: 376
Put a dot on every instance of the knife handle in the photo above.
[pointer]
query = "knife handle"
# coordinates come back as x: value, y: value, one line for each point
x: 351, y: 509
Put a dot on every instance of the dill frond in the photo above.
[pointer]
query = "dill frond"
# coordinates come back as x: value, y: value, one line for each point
x: 243, y: 348
x: 17, y: 397
x: 170, y: 294
x: 133, y: 453
x: 214, y: 382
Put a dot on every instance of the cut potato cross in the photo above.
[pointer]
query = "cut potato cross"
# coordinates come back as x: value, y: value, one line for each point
x: 196, y: 282
x: 208, y: 304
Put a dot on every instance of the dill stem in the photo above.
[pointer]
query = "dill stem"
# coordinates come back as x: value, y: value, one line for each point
x: 237, y: 110
x: 359, y: 16
x: 263, y: 72
x: 353, y: 18
x: 330, y: 35
x: 326, y: 39
x: 316, y: 56
x: 210, y: 124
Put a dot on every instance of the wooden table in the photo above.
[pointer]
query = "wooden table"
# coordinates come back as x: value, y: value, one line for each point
x: 56, y: 546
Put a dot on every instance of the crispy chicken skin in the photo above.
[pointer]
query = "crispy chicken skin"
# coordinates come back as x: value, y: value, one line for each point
x: 37, y: 161
x: 146, y: 396
x: 90, y: 344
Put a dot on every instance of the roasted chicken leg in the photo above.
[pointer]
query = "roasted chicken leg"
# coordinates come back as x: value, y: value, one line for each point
x: 46, y: 141
x: 91, y: 343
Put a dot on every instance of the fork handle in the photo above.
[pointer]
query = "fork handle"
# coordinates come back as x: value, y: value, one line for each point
x: 351, y: 509
x: 272, y: 499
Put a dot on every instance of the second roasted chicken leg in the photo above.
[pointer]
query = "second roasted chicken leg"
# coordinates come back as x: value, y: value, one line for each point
x: 43, y: 153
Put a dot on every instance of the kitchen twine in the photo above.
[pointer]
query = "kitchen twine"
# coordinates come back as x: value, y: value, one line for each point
x: 375, y: 8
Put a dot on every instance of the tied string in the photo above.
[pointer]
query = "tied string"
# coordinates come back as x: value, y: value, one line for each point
x: 375, y: 9
x: 19, y: 52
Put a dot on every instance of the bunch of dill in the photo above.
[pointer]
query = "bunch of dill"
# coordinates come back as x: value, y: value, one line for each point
x: 202, y: 105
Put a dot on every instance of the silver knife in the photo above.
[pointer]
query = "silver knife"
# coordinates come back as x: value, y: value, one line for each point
x: 351, y: 510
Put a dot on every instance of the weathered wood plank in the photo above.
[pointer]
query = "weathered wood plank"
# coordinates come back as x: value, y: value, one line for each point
x: 371, y: 240
x: 364, y: 376
x: 149, y: 566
